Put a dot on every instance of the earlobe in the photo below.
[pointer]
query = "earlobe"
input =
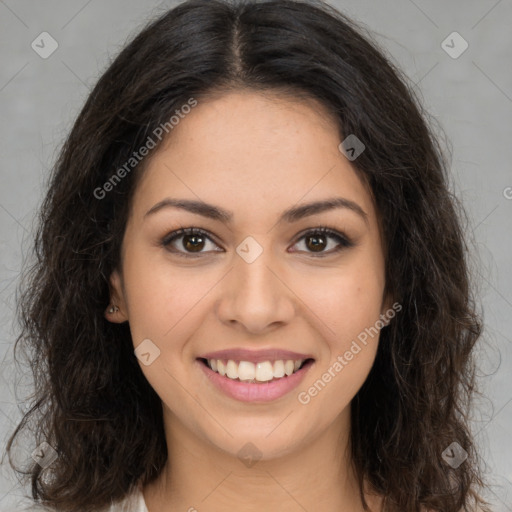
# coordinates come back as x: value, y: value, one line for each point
x: 116, y: 310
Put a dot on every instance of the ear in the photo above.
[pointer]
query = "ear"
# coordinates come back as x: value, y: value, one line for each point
x: 116, y: 311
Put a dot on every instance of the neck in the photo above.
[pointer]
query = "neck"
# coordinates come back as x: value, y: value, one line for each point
x: 198, y: 476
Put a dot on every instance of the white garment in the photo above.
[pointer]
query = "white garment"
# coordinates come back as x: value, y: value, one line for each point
x: 133, y: 502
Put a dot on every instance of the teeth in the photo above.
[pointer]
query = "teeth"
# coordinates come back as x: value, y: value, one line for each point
x: 279, y: 369
x: 246, y: 370
x: 232, y: 370
x: 262, y: 372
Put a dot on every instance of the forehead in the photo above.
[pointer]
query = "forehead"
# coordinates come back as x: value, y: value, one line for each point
x: 251, y: 150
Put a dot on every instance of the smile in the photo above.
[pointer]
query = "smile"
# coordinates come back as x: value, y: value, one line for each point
x: 263, y: 381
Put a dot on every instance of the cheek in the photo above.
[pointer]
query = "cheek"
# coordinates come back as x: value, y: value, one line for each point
x: 162, y: 299
x: 163, y: 308
x: 350, y: 307
x: 348, y: 301
x: 337, y: 384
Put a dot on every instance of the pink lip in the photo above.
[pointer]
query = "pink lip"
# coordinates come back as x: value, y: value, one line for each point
x: 254, y: 391
x: 255, y: 356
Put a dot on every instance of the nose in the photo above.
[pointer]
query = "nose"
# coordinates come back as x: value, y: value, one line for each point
x: 256, y: 296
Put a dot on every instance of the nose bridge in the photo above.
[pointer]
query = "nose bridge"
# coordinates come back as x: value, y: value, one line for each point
x: 255, y: 297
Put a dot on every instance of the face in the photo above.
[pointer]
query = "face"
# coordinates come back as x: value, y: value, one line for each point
x: 258, y: 282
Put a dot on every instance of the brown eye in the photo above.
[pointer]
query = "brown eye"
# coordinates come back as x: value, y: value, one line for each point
x: 192, y: 242
x: 317, y: 240
x: 188, y: 241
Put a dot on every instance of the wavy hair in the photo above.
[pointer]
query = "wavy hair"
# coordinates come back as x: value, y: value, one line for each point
x: 92, y: 402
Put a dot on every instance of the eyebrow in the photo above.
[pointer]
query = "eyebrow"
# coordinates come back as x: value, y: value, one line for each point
x: 293, y: 214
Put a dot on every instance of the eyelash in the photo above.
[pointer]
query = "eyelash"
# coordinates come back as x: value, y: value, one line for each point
x: 343, y: 241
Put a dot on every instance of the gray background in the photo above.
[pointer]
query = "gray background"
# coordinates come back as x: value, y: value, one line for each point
x: 470, y: 96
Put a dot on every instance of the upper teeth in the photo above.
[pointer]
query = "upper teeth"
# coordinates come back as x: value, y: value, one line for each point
x: 263, y: 371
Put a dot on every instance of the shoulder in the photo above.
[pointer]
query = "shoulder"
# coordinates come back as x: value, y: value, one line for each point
x: 30, y: 506
x: 132, y: 502
x: 477, y: 509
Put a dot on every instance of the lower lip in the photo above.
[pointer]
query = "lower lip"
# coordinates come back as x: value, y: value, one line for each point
x: 254, y: 391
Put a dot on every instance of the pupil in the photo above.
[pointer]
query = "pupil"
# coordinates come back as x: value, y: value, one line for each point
x: 194, y: 242
x: 316, y: 246
x: 188, y: 238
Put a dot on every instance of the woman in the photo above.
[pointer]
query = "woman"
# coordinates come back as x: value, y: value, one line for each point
x: 251, y: 290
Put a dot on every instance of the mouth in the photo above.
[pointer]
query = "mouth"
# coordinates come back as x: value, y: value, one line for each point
x: 255, y: 382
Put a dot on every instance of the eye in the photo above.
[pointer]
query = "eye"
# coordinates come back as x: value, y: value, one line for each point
x: 193, y: 241
x: 316, y: 240
x: 188, y: 242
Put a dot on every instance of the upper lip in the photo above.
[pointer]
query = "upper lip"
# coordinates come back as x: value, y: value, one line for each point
x: 255, y: 356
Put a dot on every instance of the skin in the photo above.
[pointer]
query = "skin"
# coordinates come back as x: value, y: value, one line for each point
x: 255, y: 155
